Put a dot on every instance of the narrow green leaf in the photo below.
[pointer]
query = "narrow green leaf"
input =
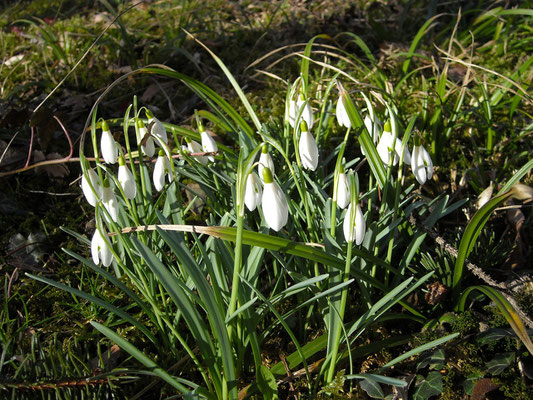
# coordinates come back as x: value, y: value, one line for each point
x: 506, y: 309
x: 109, y: 307
x: 137, y: 354
x: 419, y: 349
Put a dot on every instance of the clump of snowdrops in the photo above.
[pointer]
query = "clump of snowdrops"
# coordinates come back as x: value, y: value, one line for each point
x: 292, y: 237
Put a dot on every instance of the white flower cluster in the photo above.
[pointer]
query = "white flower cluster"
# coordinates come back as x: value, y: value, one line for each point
x: 99, y: 189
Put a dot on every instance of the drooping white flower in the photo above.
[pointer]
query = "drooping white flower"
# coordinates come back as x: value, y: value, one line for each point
x: 158, y: 129
x: 100, y: 250
x: 343, y: 191
x: 372, y: 127
x: 109, y: 200
x: 265, y: 160
x: 126, y: 180
x: 208, y: 144
x: 162, y: 168
x: 342, y: 115
x: 148, y: 148
x: 307, y: 148
x: 94, y: 194
x: 359, y: 225
x: 274, y: 203
x: 252, y: 192
x: 195, y: 147
x: 108, y: 145
x: 295, y: 106
x: 421, y: 164
x: 388, y: 145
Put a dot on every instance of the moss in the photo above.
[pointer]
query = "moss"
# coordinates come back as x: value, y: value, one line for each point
x: 465, y: 323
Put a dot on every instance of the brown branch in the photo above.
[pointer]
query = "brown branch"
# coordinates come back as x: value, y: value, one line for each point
x: 77, y: 159
x: 474, y: 269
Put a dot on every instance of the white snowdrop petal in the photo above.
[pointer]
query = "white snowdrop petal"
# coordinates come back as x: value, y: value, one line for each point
x: 158, y: 129
x: 95, y: 245
x: 108, y: 147
x: 209, y: 144
x: 359, y: 227
x: 127, y: 182
x: 275, y: 207
x: 159, y: 173
x: 308, y: 151
x: 265, y: 161
x: 342, y: 115
x: 343, y: 191
x: 110, y: 203
x: 91, y: 196
x: 252, y: 192
x: 149, y: 147
x: 195, y: 147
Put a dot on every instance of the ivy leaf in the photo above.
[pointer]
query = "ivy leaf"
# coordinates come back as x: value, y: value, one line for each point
x: 499, y: 363
x: 428, y: 387
x: 433, y: 359
x: 372, y: 387
x: 470, y: 382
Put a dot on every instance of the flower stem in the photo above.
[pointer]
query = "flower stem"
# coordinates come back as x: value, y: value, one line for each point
x: 344, y: 296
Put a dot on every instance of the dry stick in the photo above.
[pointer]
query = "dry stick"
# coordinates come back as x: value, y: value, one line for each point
x: 477, y: 271
x: 77, y: 159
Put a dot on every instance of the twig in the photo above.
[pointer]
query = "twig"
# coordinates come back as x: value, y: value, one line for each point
x: 77, y: 159
x: 477, y: 271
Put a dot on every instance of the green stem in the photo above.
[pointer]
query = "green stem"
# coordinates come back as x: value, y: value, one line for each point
x: 336, y: 343
x: 237, y: 265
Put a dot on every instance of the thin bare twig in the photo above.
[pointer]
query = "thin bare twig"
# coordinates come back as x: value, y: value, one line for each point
x: 476, y: 271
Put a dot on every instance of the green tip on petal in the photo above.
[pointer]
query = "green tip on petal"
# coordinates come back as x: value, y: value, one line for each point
x: 140, y: 123
x: 264, y: 149
x: 105, y: 126
x: 267, y: 175
x: 121, y: 161
x: 106, y: 182
x: 161, y: 153
x: 387, y: 127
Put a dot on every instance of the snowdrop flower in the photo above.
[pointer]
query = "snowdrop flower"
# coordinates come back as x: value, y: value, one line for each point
x: 195, y: 147
x: 373, y: 130
x: 307, y: 148
x: 148, y: 148
x: 252, y: 192
x: 162, y: 168
x: 300, y: 105
x: 342, y: 197
x: 359, y: 226
x: 208, y: 144
x: 126, y: 180
x: 95, y: 193
x: 265, y: 161
x: 342, y: 115
x: 275, y: 207
x: 421, y: 164
x: 372, y: 127
x: 108, y: 145
x: 99, y: 250
x: 387, y: 145
x: 109, y: 200
x: 158, y: 129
